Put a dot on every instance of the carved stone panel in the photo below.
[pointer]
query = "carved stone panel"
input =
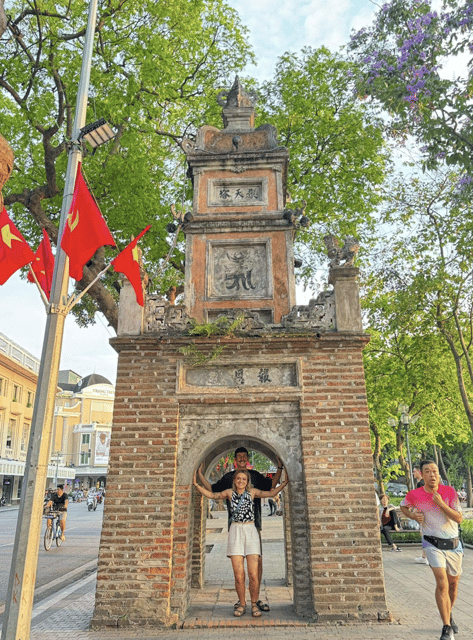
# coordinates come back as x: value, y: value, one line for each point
x: 234, y: 192
x: 238, y: 376
x: 278, y: 424
x: 239, y: 269
x: 261, y: 316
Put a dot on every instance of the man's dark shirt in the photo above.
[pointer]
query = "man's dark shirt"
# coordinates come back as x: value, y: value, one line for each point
x: 421, y: 483
x: 257, y: 480
x: 59, y: 503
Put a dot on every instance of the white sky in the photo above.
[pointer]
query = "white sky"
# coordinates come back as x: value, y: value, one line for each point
x: 276, y: 27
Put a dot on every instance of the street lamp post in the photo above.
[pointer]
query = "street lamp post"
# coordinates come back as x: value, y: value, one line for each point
x: 19, y: 598
x: 405, y: 419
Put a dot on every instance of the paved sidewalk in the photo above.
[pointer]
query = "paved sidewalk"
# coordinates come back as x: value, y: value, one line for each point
x: 409, y: 586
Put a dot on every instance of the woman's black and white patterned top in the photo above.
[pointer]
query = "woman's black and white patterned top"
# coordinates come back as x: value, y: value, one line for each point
x: 246, y: 512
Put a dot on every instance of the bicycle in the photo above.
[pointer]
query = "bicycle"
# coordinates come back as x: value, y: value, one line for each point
x: 54, y: 532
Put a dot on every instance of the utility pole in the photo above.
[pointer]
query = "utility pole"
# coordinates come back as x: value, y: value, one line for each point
x: 19, y: 600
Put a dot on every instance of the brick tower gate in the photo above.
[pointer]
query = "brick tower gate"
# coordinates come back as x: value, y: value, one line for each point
x: 287, y: 381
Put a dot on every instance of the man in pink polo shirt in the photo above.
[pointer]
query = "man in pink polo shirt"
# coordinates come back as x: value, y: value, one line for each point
x: 437, y: 509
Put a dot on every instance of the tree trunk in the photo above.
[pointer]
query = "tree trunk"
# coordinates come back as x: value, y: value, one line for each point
x: 441, y: 466
x: 460, y: 379
x: 377, y: 457
x: 469, y: 489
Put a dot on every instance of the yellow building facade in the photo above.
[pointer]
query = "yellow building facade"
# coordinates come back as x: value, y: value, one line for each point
x: 81, y: 431
x: 82, y: 427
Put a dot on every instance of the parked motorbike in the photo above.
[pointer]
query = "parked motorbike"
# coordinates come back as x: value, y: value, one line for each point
x: 91, y: 503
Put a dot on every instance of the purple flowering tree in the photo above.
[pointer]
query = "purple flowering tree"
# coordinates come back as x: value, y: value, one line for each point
x: 401, y: 60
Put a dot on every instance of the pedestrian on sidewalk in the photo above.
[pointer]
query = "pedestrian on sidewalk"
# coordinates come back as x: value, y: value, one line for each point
x: 437, y: 509
x: 388, y: 521
x: 243, y: 538
x: 272, y: 507
x: 258, y: 481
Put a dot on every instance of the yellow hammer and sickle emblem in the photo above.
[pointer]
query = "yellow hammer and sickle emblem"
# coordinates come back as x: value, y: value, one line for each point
x: 7, y: 236
x: 134, y: 253
x: 71, y: 221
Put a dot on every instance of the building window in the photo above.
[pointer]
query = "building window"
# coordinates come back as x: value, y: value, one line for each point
x: 3, y: 386
x: 11, y: 428
x: 86, y: 438
x: 84, y: 457
x: 30, y: 399
x: 24, y: 436
x: 16, y: 396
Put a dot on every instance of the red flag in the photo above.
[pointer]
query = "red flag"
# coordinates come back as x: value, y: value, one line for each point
x: 14, y: 251
x: 127, y: 263
x: 43, y: 265
x: 85, y: 230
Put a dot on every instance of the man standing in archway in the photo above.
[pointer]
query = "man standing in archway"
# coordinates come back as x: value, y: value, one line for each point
x: 259, y: 482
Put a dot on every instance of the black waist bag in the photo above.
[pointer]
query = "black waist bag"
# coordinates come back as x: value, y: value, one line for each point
x: 447, y: 544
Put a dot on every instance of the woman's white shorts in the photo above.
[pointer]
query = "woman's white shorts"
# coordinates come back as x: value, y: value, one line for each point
x: 243, y: 540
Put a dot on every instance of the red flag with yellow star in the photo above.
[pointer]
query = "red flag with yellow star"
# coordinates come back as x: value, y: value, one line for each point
x: 85, y: 230
x: 127, y: 262
x: 14, y: 251
x: 43, y: 265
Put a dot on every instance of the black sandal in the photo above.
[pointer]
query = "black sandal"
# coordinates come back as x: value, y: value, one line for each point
x: 262, y: 606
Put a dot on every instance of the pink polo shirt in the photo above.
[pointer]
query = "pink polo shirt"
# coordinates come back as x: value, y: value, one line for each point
x: 436, y: 522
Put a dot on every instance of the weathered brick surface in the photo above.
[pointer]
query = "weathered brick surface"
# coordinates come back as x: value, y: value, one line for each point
x: 153, y: 537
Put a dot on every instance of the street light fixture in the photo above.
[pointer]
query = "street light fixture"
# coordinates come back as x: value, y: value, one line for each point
x: 97, y: 133
x: 405, y: 419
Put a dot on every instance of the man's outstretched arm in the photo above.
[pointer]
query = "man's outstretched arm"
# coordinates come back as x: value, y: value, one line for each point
x: 277, y: 475
x: 203, y: 479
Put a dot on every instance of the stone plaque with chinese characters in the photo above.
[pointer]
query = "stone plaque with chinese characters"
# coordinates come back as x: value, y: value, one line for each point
x: 239, y: 270
x: 238, y: 192
x: 241, y: 375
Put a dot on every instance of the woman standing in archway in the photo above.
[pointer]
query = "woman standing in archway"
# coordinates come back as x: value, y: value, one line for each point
x: 243, y: 539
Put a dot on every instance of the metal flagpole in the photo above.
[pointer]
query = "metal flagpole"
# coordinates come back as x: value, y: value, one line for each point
x: 19, y: 601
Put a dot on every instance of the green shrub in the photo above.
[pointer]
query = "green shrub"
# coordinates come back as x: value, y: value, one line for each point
x: 467, y: 531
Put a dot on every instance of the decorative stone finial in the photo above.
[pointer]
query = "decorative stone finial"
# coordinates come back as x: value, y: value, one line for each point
x: 238, y: 107
x: 6, y: 165
x: 237, y: 97
x: 336, y: 253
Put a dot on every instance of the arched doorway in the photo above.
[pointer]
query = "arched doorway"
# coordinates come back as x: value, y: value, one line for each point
x: 209, y: 432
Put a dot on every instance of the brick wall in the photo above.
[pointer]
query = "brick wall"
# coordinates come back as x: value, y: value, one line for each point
x: 148, y: 553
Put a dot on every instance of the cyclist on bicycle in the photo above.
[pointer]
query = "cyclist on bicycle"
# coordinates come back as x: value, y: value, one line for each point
x: 59, y: 502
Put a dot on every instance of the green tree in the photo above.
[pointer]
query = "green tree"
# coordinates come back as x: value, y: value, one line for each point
x: 337, y: 155
x: 420, y: 287
x: 156, y: 69
x: 416, y: 370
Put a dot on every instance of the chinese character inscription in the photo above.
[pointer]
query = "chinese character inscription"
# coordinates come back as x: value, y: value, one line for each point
x: 243, y: 192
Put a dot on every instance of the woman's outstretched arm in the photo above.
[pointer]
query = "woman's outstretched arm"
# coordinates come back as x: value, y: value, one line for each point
x: 256, y: 493
x: 210, y: 494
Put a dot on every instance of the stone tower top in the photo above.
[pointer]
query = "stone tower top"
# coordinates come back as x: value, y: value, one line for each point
x: 239, y: 253
x: 238, y: 107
